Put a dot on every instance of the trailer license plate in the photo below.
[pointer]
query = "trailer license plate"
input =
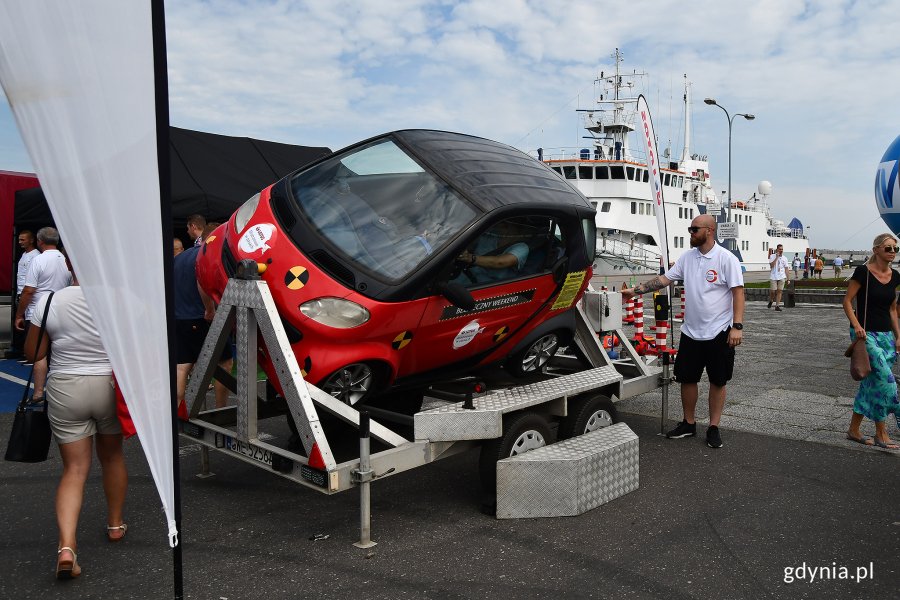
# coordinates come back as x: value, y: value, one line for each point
x: 249, y: 450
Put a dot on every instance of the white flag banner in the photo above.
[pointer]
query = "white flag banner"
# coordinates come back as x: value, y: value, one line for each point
x: 648, y: 137
x: 79, y: 77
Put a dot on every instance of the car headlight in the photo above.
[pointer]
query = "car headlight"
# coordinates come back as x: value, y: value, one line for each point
x: 335, y: 312
x: 244, y: 213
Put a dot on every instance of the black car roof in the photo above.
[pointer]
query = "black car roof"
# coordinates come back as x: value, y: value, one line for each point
x: 491, y: 174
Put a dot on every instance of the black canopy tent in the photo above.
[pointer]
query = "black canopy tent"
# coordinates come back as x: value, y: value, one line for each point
x: 212, y: 175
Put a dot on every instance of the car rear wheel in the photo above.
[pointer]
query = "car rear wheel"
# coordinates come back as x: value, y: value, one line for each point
x: 350, y: 384
x: 535, y: 355
x: 522, y: 431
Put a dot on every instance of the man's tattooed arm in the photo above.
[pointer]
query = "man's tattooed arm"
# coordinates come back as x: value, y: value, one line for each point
x: 649, y: 286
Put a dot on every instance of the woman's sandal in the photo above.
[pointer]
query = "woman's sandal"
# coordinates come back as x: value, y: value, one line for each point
x: 889, y: 445
x: 67, y: 569
x: 112, y: 528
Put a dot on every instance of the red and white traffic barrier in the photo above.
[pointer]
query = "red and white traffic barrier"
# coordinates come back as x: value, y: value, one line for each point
x: 629, y: 310
x: 638, y: 318
x: 662, y: 328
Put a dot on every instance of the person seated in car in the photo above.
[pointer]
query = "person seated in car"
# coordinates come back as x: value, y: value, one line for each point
x: 499, y: 254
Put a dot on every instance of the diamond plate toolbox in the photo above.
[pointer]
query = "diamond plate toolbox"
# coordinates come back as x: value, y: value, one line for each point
x: 570, y: 477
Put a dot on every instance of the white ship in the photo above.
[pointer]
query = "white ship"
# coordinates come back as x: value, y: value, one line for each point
x: 613, y: 175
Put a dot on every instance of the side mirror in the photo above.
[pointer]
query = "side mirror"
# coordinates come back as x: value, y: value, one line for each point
x: 559, y: 269
x: 458, y: 295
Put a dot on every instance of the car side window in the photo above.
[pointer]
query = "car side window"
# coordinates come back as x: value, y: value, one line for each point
x: 511, y: 249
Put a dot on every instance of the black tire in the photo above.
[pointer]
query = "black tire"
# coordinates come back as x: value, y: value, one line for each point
x: 535, y: 355
x: 587, y: 413
x: 522, y: 431
x: 351, y: 384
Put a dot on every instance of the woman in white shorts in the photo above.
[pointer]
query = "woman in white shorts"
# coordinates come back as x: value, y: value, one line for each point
x: 82, y: 410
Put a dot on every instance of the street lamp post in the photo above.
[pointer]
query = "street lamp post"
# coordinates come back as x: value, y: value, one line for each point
x: 730, y: 117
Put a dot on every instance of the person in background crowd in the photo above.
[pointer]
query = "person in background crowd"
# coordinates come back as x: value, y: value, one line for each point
x: 713, y: 323
x: 777, y: 276
x: 195, y: 225
x: 47, y: 273
x: 29, y: 251
x: 819, y: 266
x: 796, y: 266
x: 874, y: 287
x: 193, y: 312
x: 838, y: 264
x: 82, y: 411
x: 178, y: 246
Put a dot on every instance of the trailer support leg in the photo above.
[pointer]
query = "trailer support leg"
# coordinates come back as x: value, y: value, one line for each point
x: 664, y: 415
x: 204, y: 463
x: 364, y: 477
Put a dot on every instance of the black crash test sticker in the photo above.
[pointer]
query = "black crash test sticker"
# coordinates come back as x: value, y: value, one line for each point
x: 495, y: 303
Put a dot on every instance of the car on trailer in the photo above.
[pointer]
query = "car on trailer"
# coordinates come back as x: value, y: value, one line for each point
x: 412, y: 257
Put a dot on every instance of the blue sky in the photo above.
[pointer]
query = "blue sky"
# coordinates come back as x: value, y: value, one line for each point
x: 821, y: 78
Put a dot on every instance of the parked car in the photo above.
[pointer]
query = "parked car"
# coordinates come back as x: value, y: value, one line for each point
x: 413, y: 256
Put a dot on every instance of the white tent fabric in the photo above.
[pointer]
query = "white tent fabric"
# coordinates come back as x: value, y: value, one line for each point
x: 79, y: 77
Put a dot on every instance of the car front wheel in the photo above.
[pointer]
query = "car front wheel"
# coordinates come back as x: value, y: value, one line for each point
x: 350, y: 384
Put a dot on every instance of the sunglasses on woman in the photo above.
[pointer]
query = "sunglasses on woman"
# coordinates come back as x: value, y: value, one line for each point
x: 893, y: 249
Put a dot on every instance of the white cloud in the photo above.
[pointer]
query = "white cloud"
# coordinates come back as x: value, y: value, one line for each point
x: 821, y: 78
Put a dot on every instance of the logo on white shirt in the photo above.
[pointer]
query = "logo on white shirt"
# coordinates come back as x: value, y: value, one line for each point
x: 712, y: 276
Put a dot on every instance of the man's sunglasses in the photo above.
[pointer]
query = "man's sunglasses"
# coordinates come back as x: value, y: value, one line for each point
x: 696, y: 229
x: 893, y: 249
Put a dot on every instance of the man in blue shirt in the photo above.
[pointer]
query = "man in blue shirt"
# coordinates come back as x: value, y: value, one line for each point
x: 497, y: 256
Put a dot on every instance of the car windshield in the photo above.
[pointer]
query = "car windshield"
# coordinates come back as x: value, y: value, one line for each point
x: 380, y: 209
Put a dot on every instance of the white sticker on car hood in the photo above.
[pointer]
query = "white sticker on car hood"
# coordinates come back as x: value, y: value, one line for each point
x: 467, y: 334
x: 256, y: 237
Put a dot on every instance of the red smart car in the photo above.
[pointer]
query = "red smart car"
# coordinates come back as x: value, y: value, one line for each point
x: 414, y: 256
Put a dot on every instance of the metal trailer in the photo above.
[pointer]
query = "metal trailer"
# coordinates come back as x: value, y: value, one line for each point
x: 247, y: 307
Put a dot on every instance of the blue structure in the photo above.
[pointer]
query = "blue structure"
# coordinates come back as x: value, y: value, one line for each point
x: 887, y: 194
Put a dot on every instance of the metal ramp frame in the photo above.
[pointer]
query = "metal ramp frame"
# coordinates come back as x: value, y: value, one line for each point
x: 247, y: 305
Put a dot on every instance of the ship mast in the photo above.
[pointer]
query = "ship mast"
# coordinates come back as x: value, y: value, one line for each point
x: 612, y: 133
x: 686, y: 153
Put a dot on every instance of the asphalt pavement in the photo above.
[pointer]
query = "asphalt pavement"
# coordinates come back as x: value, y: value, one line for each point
x: 787, y: 509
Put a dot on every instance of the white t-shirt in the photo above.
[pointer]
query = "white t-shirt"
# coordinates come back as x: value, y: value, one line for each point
x: 46, y: 273
x: 22, y: 271
x: 708, y: 279
x: 797, y: 262
x: 779, y: 264
x: 76, y: 345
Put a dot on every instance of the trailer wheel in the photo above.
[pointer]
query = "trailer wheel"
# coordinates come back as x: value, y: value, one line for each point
x: 587, y: 413
x: 522, y: 431
x: 535, y: 355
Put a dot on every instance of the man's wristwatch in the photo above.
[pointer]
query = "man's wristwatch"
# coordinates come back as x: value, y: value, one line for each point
x: 738, y: 326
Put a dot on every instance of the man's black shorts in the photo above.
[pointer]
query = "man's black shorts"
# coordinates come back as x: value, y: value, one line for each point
x: 715, y: 355
x: 189, y: 337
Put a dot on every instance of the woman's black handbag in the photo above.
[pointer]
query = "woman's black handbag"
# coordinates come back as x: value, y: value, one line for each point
x: 29, y: 440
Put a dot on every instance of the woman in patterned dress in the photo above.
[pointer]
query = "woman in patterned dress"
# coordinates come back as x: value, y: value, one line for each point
x: 874, y: 286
